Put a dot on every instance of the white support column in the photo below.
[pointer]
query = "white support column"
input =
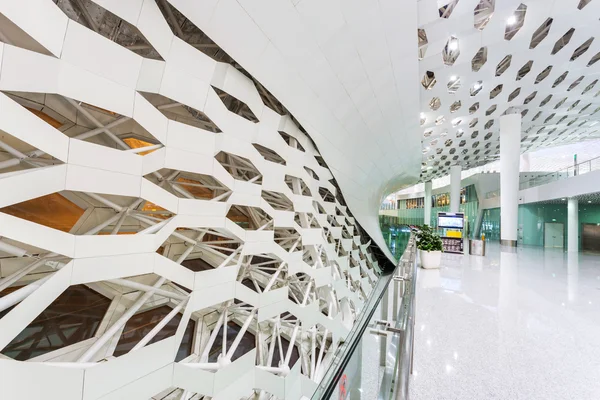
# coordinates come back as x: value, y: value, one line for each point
x: 427, y: 214
x: 525, y: 163
x: 455, y: 172
x: 573, y: 225
x: 510, y: 155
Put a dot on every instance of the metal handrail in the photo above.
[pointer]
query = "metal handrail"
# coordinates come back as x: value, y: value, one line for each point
x: 572, y: 170
x: 346, y: 350
x: 399, y: 357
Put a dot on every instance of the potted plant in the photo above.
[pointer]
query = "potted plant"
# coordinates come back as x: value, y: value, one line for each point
x: 429, y: 244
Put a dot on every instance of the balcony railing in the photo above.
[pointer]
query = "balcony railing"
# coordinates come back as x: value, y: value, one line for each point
x: 345, y: 376
x: 565, y: 173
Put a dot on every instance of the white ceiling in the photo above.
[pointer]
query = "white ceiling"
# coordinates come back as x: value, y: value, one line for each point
x: 564, y: 118
x: 347, y: 70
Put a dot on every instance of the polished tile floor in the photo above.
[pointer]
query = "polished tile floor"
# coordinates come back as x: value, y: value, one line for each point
x: 508, y: 326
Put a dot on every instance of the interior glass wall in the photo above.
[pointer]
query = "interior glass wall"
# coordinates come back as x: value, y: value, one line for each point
x: 411, y: 211
x: 533, y: 219
x: 396, y: 234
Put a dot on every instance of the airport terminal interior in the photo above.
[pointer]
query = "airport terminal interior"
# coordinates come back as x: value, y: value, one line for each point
x: 299, y: 199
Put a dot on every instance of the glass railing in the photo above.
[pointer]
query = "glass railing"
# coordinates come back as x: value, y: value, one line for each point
x: 396, y: 233
x: 565, y: 173
x: 376, y: 355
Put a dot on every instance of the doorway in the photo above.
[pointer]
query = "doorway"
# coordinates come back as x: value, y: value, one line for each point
x: 554, y: 235
x: 590, y: 237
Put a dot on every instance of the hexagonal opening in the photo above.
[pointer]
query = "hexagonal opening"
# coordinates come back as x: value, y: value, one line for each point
x: 540, y: 33
x: 479, y: 59
x: 451, y: 51
x: 249, y: 218
x: 311, y: 173
x: 503, y: 65
x: 234, y: 328
x: 288, y: 238
x: 277, y: 200
x: 496, y: 91
x: 201, y: 249
x: 139, y: 325
x: 190, y: 185
x: 563, y: 41
x: 446, y: 10
x: 83, y: 121
x: 235, y: 105
x: 542, y: 75
x: 514, y: 94
x: 109, y: 25
x: 72, y: 317
x: 423, y: 42
x: 483, y: 13
x: 106, y: 214
x: 308, y: 220
x: 291, y: 141
x: 575, y: 83
x: 180, y: 112
x: 239, y: 167
x: 17, y: 155
x: 269, y: 155
x: 297, y: 185
x: 326, y: 195
x: 428, y: 80
x: 435, y: 103
x: 515, y: 23
x: 454, y: 85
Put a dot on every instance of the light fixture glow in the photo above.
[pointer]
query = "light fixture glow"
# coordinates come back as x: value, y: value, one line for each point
x: 476, y: 86
x: 511, y: 20
x: 422, y: 115
x: 453, y: 78
x: 453, y: 45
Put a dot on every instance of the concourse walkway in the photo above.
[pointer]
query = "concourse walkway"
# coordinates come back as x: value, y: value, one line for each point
x: 520, y: 326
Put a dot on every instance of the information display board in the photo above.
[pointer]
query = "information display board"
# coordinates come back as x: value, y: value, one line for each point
x: 451, y: 220
x: 452, y: 225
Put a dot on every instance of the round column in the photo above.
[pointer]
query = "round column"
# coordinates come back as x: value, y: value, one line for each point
x: 455, y: 172
x: 427, y: 213
x: 573, y: 225
x: 510, y: 154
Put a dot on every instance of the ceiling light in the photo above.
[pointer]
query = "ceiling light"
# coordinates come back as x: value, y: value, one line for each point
x: 589, y: 201
x: 563, y: 199
x: 422, y: 115
x: 453, y: 78
x: 476, y: 86
x: 511, y: 20
x: 453, y: 45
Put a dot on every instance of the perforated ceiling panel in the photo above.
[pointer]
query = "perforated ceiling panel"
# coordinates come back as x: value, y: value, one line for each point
x: 480, y: 57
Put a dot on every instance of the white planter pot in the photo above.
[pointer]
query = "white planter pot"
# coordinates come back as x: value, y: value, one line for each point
x: 430, y: 259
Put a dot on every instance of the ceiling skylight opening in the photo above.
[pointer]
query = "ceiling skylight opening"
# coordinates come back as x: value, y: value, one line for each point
x: 423, y: 42
x: 479, y: 59
x: 540, y: 33
x: 483, y: 13
x: 454, y: 85
x: 451, y: 51
x: 515, y: 22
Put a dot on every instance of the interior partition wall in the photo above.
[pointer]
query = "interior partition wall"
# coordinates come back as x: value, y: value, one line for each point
x: 170, y: 217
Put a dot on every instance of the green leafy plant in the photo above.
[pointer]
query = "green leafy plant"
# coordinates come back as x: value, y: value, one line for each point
x: 428, y: 240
